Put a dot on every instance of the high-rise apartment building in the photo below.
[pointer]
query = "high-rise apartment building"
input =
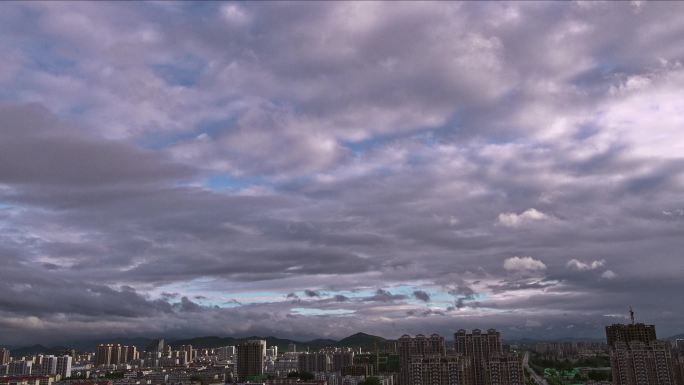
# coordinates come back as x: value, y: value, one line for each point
x: 4, y: 356
x: 250, y: 359
x: 225, y: 353
x: 103, y: 355
x: 20, y: 368
x: 639, y: 363
x: 64, y: 366
x: 637, y: 357
x: 342, y: 359
x: 114, y: 354
x: 439, y: 369
x: 118, y: 354
x: 188, y: 351
x: 678, y: 368
x: 630, y: 332
x: 156, y: 346
x: 419, y: 345
x: 131, y: 353
x: 49, y: 365
x: 479, y: 348
x: 504, y: 369
x: 314, y: 362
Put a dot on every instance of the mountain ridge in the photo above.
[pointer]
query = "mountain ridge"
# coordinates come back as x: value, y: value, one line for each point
x: 357, y: 340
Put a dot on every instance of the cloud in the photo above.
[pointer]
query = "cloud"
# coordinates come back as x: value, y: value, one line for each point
x: 382, y: 295
x: 234, y: 14
x: 575, y: 264
x: 421, y: 295
x: 523, y: 264
x: 608, y: 274
x: 517, y: 220
x: 155, y: 152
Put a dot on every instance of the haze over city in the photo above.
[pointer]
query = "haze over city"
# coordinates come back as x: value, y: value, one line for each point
x: 316, y: 169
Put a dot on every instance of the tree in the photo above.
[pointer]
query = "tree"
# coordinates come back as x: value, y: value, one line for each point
x: 306, y: 376
x: 370, y: 381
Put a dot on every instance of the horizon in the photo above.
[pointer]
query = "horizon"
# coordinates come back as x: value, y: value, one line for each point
x: 312, y: 169
x: 174, y: 340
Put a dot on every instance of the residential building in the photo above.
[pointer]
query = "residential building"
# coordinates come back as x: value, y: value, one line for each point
x: 250, y: 359
x: 103, y: 355
x: 641, y: 363
x: 630, y: 332
x: 417, y: 346
x: 504, y: 369
x: 314, y: 362
x: 439, y: 370
x: 20, y: 368
x: 4, y: 356
x: 64, y: 366
x: 342, y: 359
x: 478, y: 347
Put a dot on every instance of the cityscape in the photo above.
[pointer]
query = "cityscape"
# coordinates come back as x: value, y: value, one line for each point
x: 341, y: 192
x: 631, y: 355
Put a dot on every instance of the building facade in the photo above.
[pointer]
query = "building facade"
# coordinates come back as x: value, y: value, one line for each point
x: 479, y: 348
x: 250, y: 359
x: 420, y: 345
x: 637, y: 357
x: 630, y: 332
x: 4, y: 356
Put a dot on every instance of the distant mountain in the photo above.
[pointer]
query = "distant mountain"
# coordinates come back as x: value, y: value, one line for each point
x: 361, y: 340
x: 677, y: 337
x: 215, y: 342
x: 358, y: 340
x: 320, y: 343
x: 37, y: 349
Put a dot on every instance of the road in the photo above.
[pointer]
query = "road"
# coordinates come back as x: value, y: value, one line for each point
x: 539, y: 380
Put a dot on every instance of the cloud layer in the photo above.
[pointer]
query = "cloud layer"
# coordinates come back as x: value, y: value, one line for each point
x: 315, y: 170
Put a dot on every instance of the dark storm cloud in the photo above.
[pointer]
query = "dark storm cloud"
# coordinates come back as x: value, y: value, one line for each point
x: 384, y: 161
x: 38, y: 148
x: 382, y: 295
x: 421, y: 295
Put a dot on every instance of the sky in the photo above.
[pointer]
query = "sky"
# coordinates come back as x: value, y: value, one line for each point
x: 311, y: 170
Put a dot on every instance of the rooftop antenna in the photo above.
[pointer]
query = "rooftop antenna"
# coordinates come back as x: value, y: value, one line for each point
x: 631, y: 314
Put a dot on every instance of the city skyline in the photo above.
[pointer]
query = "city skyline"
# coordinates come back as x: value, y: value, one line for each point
x: 316, y: 169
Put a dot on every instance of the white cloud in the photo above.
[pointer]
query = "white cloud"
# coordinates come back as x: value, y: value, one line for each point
x: 234, y: 14
x: 523, y: 264
x: 608, y: 274
x: 516, y: 220
x: 532, y: 323
x: 578, y: 265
